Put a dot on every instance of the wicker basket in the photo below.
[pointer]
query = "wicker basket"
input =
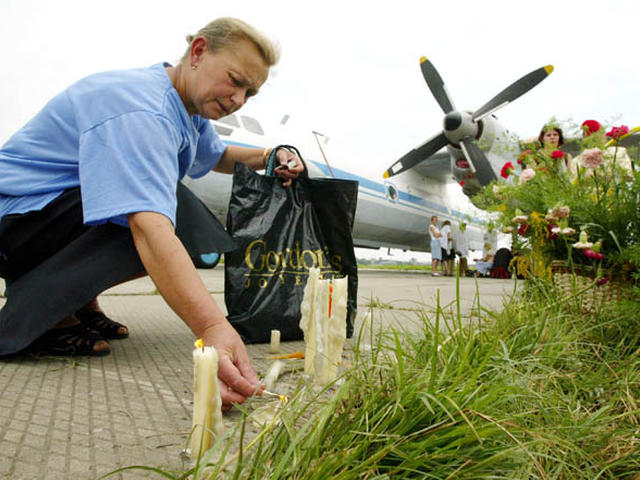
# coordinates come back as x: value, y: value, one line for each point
x: 579, y: 282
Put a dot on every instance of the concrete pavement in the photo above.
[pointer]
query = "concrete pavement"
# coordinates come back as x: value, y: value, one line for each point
x: 81, y: 418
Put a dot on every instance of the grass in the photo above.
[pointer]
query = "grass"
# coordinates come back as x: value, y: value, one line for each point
x: 536, y: 391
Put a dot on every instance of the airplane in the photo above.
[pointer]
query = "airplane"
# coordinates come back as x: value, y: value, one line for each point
x: 389, y: 214
x: 395, y: 213
x: 478, y: 146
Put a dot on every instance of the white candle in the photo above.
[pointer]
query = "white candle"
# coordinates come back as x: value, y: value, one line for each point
x: 272, y: 375
x: 207, y: 405
x: 274, y: 347
x: 323, y: 321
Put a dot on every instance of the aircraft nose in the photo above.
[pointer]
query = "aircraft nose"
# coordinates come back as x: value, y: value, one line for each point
x: 452, y: 121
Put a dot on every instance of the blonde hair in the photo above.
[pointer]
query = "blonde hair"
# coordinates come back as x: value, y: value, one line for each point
x: 225, y: 31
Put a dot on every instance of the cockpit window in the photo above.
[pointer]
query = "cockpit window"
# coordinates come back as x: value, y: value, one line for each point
x: 222, y: 130
x: 252, y: 125
x: 230, y: 120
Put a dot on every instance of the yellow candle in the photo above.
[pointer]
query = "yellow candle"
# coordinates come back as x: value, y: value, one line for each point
x: 207, y: 405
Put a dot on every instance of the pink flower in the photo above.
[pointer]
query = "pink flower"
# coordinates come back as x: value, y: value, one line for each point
x: 591, y: 158
x: 507, y: 169
x: 526, y: 175
x: 617, y: 132
x: 568, y: 231
x: 557, y: 154
x: 551, y: 216
x: 561, y: 212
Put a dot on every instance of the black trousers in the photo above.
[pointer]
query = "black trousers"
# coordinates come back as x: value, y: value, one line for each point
x: 53, y: 264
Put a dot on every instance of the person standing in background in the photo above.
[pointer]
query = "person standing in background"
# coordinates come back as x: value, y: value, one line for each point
x: 436, y: 251
x: 446, y: 245
x: 461, y: 247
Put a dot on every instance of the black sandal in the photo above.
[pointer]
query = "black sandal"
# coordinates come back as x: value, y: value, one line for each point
x: 69, y: 341
x: 102, y: 324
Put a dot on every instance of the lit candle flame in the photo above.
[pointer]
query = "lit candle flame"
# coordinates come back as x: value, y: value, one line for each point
x: 282, y: 398
x: 199, y: 344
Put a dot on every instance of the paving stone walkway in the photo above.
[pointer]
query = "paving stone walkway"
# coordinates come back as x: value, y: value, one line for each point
x: 82, y: 418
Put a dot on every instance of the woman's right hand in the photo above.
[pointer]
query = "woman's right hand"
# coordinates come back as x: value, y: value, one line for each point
x: 237, y: 378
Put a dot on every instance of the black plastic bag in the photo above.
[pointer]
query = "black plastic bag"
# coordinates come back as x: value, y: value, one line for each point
x: 281, y: 232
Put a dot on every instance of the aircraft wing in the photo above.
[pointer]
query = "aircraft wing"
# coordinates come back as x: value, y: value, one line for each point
x: 437, y: 166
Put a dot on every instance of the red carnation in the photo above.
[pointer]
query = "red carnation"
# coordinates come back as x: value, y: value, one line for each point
x: 617, y: 132
x: 462, y: 183
x: 507, y: 169
x: 592, y: 254
x: 557, y: 154
x: 590, y: 126
x: 523, y: 229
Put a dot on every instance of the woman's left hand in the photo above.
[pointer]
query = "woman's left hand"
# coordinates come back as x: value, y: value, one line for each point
x: 290, y: 166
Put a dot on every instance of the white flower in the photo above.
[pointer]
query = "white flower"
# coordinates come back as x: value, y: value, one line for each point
x: 583, y: 242
x: 520, y: 219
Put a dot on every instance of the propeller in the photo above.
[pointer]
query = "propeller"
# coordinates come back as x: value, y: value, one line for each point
x: 461, y: 129
x: 513, y: 91
x: 416, y: 155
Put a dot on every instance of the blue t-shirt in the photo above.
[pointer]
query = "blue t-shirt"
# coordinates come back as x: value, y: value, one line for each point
x: 124, y: 137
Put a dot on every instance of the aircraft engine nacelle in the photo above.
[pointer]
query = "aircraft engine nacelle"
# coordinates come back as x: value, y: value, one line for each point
x: 498, y: 145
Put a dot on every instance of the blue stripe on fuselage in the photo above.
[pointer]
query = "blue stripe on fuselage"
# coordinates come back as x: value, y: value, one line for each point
x: 407, y: 199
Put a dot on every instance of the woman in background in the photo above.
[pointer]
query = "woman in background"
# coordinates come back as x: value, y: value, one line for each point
x: 550, y: 140
x: 446, y: 245
x: 436, y: 252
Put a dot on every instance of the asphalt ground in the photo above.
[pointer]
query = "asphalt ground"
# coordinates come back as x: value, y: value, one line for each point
x: 81, y: 418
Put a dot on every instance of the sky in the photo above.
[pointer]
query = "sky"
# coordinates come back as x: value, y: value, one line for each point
x: 349, y: 69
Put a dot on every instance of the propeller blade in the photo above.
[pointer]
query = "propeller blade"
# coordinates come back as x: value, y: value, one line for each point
x: 417, y: 155
x: 478, y: 161
x: 512, y: 92
x: 436, y: 85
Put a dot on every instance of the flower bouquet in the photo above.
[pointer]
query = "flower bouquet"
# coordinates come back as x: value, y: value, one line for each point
x: 582, y: 214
